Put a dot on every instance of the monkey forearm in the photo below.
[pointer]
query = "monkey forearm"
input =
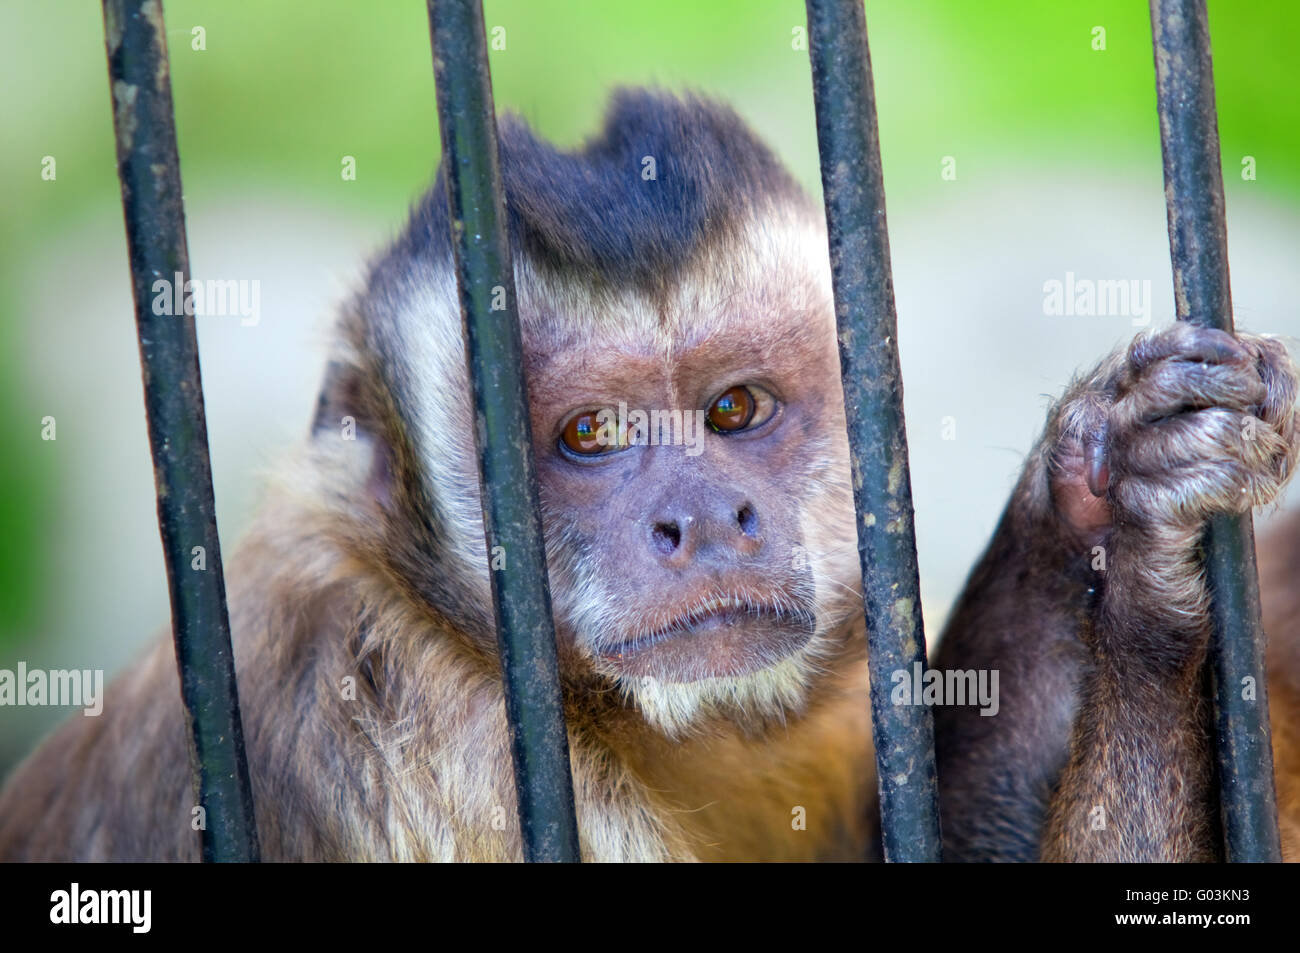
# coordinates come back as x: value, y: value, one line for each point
x: 1137, y: 784
x: 1136, y: 787
x: 1021, y: 614
x: 1108, y: 671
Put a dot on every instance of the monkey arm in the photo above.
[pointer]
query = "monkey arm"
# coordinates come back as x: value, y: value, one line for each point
x: 1191, y: 424
x: 1019, y: 615
x: 1100, y: 748
x: 1137, y: 785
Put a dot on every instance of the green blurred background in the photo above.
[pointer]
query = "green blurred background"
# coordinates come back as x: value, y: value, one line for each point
x: 1058, y: 169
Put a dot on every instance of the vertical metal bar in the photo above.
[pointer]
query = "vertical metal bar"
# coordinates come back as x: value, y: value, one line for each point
x: 508, y: 480
x: 849, y: 141
x: 1198, y: 243
x: 149, y: 170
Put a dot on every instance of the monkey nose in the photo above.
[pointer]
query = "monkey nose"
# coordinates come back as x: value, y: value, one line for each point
x: 722, y: 535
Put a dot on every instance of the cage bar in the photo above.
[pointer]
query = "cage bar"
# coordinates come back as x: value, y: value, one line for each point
x: 149, y: 170
x: 508, y: 481
x: 849, y: 142
x: 1198, y: 244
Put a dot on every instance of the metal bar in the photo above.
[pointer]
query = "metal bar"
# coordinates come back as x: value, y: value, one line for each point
x: 849, y: 141
x: 149, y: 170
x: 1198, y: 243
x: 508, y: 480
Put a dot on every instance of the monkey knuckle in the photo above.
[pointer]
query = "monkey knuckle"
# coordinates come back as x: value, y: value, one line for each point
x: 1278, y: 407
x: 1142, y: 345
x: 1282, y: 418
x: 1153, y: 345
x: 1284, y: 454
x: 1269, y: 350
x: 1278, y: 375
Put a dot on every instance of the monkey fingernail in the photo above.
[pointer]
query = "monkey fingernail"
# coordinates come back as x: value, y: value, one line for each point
x: 1096, y: 471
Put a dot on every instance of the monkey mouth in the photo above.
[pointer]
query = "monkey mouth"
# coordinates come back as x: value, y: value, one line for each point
x: 723, y: 637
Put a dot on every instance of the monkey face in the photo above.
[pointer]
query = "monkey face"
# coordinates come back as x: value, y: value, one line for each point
x: 685, y: 408
x: 693, y: 470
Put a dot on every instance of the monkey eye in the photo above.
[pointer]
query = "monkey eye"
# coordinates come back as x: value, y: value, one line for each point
x: 585, y: 435
x: 740, y: 408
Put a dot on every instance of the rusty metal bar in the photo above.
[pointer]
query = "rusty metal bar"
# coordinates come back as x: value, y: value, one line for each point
x: 149, y: 170
x: 1198, y: 243
x: 849, y: 142
x: 508, y: 479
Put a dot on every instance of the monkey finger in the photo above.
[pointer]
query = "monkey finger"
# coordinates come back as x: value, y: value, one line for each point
x: 1185, y: 342
x: 1174, y: 387
x: 1189, y: 447
x: 1278, y: 372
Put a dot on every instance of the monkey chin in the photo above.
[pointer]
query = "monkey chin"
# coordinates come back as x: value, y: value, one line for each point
x: 745, y: 666
x: 724, y: 639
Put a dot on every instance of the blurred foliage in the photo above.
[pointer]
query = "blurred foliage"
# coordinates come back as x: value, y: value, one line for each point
x: 284, y: 89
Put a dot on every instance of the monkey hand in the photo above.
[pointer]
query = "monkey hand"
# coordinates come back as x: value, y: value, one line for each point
x: 1187, y: 423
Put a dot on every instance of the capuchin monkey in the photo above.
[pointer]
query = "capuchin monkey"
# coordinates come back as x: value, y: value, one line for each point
x: 674, y: 293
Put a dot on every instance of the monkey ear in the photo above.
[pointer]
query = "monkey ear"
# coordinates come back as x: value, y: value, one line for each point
x: 344, y: 410
x: 339, y: 406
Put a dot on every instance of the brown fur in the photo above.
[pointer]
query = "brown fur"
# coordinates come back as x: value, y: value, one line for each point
x: 367, y: 563
x: 1104, y: 679
x: 369, y: 684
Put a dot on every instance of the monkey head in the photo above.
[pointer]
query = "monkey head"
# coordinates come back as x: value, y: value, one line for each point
x: 686, y: 413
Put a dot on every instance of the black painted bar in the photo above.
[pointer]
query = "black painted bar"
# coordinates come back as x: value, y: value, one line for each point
x: 149, y: 170
x: 520, y: 592
x: 1198, y: 242
x: 873, y: 395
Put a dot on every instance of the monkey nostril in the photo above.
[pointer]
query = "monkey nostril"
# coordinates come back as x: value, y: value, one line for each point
x: 667, y: 536
x: 747, y: 520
